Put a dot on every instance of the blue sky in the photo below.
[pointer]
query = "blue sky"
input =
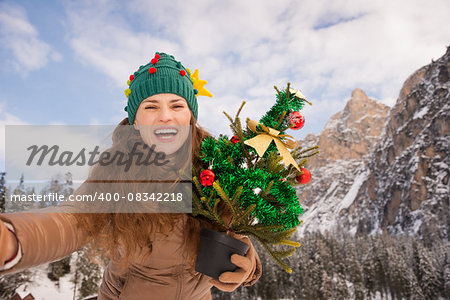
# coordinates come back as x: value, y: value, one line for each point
x: 67, y: 62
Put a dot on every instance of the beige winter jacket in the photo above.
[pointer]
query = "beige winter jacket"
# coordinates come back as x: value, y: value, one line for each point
x: 46, y: 237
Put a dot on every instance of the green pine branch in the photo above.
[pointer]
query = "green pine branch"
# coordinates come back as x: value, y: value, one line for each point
x: 224, y: 196
x: 246, y: 213
x: 236, y: 196
x: 275, y: 256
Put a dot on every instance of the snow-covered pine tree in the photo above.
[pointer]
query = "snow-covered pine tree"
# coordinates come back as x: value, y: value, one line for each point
x: 426, y: 271
x: 338, y: 258
x: 2, y: 192
x: 58, y: 269
x: 341, y: 288
x: 63, y: 186
x: 354, y: 269
x: 86, y: 274
x: 10, y: 282
x: 326, y: 289
x: 323, y: 248
x: 380, y: 263
x: 22, y: 191
x: 399, y: 280
x: 441, y: 252
x: 446, y: 276
x: 303, y: 280
x: 365, y: 244
x: 387, y: 265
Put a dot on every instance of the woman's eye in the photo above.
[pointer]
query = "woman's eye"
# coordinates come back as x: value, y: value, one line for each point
x: 150, y: 107
x: 178, y: 106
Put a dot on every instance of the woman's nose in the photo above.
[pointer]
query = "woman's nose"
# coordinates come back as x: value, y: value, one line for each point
x: 165, y: 115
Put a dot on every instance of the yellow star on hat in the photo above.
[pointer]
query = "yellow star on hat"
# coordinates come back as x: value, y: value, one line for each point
x: 199, y: 84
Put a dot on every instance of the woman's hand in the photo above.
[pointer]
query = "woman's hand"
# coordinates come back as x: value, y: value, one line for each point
x: 8, y: 244
x: 229, y: 281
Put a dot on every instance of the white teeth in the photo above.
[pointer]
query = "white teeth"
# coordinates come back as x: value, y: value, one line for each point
x: 165, y: 137
x: 166, y: 131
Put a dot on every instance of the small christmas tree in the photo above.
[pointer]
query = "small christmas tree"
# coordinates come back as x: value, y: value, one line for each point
x: 246, y: 188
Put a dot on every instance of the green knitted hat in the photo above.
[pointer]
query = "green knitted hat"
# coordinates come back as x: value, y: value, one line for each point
x: 163, y: 74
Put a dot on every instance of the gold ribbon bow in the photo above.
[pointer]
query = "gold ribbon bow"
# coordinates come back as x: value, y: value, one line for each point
x: 265, y: 137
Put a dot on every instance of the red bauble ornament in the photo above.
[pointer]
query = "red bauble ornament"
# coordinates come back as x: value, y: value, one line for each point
x: 131, y: 77
x: 152, y: 70
x: 235, y: 139
x: 157, y: 56
x: 207, y: 177
x: 305, y: 177
x: 297, y: 119
x: 182, y: 72
x: 154, y: 61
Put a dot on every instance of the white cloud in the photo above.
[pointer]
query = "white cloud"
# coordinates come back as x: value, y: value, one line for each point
x: 21, y: 38
x: 103, y: 40
x: 243, y: 48
x: 6, y: 119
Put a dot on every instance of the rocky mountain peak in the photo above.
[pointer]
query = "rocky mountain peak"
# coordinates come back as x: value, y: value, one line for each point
x: 370, y: 177
x: 410, y: 168
x: 350, y: 133
x: 359, y: 94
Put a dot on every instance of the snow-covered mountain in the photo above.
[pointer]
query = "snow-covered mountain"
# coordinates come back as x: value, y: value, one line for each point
x: 385, y: 170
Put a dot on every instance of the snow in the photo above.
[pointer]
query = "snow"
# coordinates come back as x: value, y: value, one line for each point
x: 43, y: 288
x: 378, y: 296
x: 419, y: 114
x: 352, y: 231
x: 332, y: 124
x: 416, y: 226
x: 331, y: 186
x: 441, y: 165
x: 331, y: 189
x: 256, y: 190
x: 351, y: 195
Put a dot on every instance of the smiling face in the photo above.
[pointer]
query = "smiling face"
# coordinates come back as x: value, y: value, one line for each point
x: 163, y: 120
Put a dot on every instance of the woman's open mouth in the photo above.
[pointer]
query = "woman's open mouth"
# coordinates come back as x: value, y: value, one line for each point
x: 166, y: 134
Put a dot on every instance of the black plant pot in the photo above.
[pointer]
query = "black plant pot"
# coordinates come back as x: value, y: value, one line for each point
x: 214, y: 253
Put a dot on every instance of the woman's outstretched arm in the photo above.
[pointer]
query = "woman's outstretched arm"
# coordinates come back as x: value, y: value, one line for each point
x: 43, y: 236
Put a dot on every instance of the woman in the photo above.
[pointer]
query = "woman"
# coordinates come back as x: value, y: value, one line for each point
x: 152, y: 256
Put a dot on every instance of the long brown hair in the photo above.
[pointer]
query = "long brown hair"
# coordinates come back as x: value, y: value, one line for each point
x: 135, y: 231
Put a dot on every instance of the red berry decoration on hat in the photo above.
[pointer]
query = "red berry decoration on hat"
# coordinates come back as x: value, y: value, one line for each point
x: 207, y: 177
x: 296, y: 119
x: 305, y: 177
x: 235, y: 139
